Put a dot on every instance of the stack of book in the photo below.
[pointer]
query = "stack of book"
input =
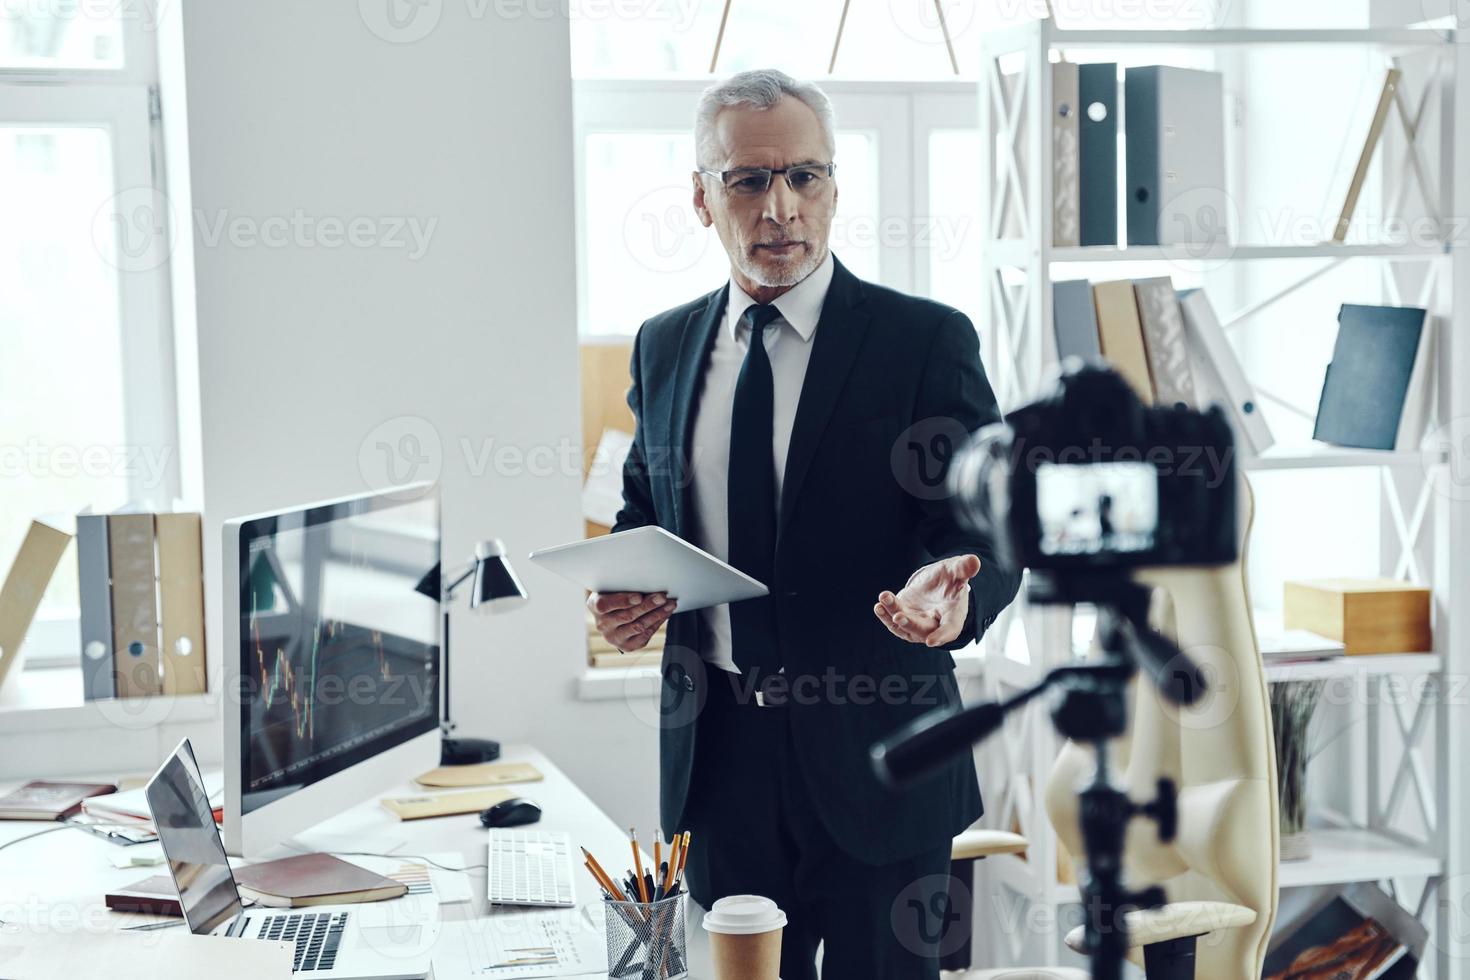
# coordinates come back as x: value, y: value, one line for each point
x: 1169, y: 346
x: 141, y: 584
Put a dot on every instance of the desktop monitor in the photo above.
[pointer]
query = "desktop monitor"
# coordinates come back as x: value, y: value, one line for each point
x: 332, y: 659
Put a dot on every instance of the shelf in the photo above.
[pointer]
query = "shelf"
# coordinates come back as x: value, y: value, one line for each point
x: 1330, y: 457
x: 1342, y: 855
x: 1386, y: 37
x: 1369, y: 665
x: 1017, y: 251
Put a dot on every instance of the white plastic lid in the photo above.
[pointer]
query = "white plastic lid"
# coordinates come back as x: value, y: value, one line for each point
x: 744, y: 915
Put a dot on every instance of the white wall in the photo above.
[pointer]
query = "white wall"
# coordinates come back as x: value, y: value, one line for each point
x: 310, y: 356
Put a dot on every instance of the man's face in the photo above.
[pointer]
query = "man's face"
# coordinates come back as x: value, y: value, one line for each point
x: 776, y: 238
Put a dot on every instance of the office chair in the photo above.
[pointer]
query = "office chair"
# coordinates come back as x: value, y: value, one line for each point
x: 1219, y: 872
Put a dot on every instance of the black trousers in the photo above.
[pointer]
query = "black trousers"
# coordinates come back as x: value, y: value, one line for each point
x: 756, y: 831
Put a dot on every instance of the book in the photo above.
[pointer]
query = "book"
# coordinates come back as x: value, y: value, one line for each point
x: 42, y: 799
x: 1174, y: 158
x: 1121, y: 335
x: 481, y: 774
x: 444, y: 804
x: 304, y: 880
x: 1165, y: 343
x: 1219, y: 372
x: 153, y: 896
x: 94, y: 594
x: 1074, y: 320
x: 1358, y: 933
x: 30, y: 573
x: 181, y: 603
x: 1065, y: 183
x: 1375, y: 359
x: 1365, y: 157
x: 1097, y: 145
x: 134, y: 604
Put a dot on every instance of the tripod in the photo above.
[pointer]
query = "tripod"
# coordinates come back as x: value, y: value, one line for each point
x: 1090, y: 707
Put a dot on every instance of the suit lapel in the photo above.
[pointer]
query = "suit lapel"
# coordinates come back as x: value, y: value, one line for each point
x: 694, y: 347
x: 840, y: 333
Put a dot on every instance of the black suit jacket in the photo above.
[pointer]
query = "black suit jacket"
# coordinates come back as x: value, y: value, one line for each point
x: 861, y: 509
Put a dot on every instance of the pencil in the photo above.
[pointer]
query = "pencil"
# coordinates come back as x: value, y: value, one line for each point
x: 637, y: 865
x: 673, y: 863
x: 603, y: 877
x: 658, y: 849
x: 684, y: 854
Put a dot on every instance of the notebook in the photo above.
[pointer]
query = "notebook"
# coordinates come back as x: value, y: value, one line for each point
x: 304, y: 880
x: 1378, y: 353
x: 44, y: 800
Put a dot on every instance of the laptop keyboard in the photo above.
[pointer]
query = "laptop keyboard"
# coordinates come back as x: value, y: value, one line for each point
x: 317, y: 936
x: 530, y: 868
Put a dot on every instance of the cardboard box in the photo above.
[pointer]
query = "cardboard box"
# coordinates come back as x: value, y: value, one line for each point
x: 1366, y: 615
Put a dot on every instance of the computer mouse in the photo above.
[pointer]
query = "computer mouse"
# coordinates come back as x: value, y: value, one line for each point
x: 511, y: 813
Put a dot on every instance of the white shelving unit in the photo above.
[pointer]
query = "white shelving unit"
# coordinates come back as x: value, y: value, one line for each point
x: 1015, y: 100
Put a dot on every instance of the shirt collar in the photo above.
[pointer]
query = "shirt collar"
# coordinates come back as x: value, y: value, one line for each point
x: 800, y: 306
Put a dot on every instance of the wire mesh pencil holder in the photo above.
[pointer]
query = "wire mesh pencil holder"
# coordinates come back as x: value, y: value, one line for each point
x: 647, y: 941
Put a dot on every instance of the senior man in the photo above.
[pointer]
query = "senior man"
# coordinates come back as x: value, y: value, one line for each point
x: 782, y: 425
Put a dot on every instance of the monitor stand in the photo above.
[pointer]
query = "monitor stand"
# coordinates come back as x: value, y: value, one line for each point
x: 467, y: 751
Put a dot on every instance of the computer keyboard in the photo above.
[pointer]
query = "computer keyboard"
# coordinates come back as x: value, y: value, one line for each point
x: 317, y: 936
x: 530, y: 867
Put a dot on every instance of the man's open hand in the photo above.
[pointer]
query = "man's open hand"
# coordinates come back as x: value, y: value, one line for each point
x: 628, y: 620
x: 931, y: 609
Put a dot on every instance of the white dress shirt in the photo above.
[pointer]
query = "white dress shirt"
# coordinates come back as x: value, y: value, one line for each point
x: 789, y: 344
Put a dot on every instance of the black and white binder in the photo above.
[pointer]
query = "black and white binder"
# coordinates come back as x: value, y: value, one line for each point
x: 94, y: 590
x: 1097, y: 94
x: 1174, y: 119
x: 1218, y: 371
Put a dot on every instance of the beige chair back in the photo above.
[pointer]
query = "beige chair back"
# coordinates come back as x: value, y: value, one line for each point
x: 1220, y: 754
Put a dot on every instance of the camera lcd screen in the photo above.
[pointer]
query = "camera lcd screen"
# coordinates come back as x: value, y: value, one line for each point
x: 1097, y: 508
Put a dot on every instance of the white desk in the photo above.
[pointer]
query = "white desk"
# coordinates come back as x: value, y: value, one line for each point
x: 56, y: 882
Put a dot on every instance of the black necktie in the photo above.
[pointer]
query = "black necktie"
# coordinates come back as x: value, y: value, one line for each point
x: 752, y: 499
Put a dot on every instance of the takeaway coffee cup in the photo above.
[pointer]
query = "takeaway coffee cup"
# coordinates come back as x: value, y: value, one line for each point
x: 745, y: 937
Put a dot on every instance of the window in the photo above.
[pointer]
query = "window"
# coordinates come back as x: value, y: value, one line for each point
x: 87, y: 381
x: 642, y: 250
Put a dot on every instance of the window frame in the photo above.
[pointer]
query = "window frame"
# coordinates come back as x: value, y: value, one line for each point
x: 124, y: 101
x: 899, y: 114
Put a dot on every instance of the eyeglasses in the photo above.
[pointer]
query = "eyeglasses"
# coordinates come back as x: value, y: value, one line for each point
x: 807, y: 179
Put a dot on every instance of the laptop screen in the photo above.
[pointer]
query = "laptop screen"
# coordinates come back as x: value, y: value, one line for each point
x: 190, y: 840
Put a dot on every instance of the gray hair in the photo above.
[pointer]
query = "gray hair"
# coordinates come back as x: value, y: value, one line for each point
x: 759, y: 89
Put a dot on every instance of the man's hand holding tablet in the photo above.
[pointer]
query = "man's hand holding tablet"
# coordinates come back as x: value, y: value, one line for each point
x: 628, y: 620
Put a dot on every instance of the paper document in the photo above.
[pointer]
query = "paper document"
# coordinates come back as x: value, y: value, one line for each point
x: 602, y: 495
x: 423, y: 878
x: 540, y: 944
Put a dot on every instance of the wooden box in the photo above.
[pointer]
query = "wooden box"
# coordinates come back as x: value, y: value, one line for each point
x: 1366, y: 615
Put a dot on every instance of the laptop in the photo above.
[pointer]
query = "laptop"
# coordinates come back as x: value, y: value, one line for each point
x: 373, y: 941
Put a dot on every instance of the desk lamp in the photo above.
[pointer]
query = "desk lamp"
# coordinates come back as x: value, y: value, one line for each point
x: 495, y: 588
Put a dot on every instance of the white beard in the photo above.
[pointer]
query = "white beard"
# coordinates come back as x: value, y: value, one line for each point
x: 761, y: 277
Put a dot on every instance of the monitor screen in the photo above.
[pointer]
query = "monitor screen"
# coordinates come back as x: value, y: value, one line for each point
x: 196, y: 858
x: 339, y: 638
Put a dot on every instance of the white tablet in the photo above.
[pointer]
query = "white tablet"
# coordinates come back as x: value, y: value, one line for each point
x: 650, y: 559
